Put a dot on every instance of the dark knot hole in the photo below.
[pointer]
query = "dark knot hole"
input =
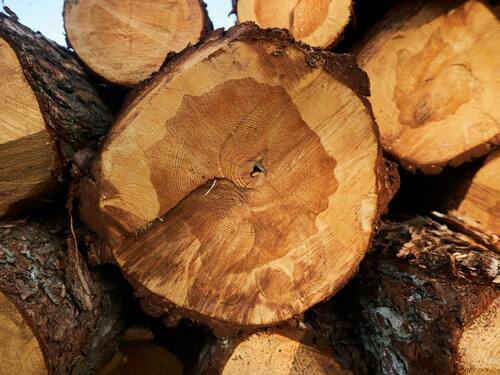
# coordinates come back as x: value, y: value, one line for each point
x: 257, y: 169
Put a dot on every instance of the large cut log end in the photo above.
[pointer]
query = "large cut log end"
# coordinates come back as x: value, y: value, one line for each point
x: 434, y: 82
x: 126, y: 41
x: 253, y: 194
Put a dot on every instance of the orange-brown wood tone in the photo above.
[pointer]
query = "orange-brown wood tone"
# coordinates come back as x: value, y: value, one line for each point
x: 317, y: 23
x: 242, y: 185
x: 433, y: 76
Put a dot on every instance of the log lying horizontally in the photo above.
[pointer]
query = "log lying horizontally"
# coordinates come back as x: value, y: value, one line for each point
x: 125, y: 41
x: 317, y: 23
x: 427, y: 301
x: 433, y: 76
x: 57, y: 317
x: 243, y: 183
x: 479, y: 206
x: 277, y: 351
x: 49, y: 111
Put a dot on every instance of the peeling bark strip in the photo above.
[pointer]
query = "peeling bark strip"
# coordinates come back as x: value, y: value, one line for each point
x: 284, y: 351
x: 50, y: 114
x: 57, y: 317
x: 428, y: 302
x: 243, y: 199
x: 317, y: 23
x: 126, y: 41
x: 433, y: 75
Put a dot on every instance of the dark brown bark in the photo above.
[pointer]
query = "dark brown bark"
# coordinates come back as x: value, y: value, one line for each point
x: 419, y: 290
x: 75, y: 313
x: 74, y: 113
x: 71, y: 105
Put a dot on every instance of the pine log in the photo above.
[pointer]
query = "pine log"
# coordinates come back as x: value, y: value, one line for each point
x: 466, y: 198
x: 317, y: 23
x: 126, y: 41
x: 58, y: 317
x: 283, y: 351
x: 243, y: 199
x: 479, y: 207
x: 50, y: 114
x: 433, y: 75
x: 427, y: 301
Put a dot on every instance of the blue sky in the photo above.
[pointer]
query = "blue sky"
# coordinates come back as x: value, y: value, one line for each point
x: 46, y: 15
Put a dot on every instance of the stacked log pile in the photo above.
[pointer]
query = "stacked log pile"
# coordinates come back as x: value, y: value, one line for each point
x: 240, y: 192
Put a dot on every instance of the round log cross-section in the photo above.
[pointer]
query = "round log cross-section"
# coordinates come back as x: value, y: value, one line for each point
x: 285, y: 351
x: 125, y: 41
x: 317, y: 23
x: 242, y: 184
x: 433, y: 76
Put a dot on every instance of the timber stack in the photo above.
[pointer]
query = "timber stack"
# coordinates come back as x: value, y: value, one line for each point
x: 314, y: 191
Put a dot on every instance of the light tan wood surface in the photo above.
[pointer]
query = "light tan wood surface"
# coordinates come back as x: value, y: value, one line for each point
x: 124, y: 41
x: 272, y: 353
x: 20, y: 352
x: 27, y: 155
x: 481, y: 202
x: 433, y: 69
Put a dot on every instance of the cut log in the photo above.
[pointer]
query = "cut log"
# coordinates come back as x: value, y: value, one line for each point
x: 49, y: 111
x: 57, y: 316
x: 317, y: 23
x: 126, y: 41
x: 480, y: 205
x: 434, y: 82
x: 243, y: 199
x: 278, y: 352
x: 428, y: 302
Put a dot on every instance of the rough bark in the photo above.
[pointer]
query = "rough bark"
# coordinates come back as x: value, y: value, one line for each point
x: 427, y: 301
x: 73, y: 315
x: 259, y: 182
x: 432, y: 69
x: 125, y: 42
x: 280, y: 351
x: 74, y: 117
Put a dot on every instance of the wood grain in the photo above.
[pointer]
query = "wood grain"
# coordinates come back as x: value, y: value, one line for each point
x: 432, y: 69
x: 125, y: 41
x: 317, y: 23
x: 242, y: 184
x: 51, y: 117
